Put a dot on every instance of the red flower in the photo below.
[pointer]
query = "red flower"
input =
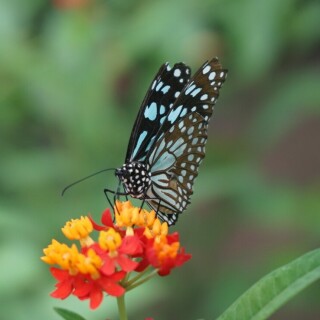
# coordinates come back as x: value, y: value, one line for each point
x: 106, y: 220
x: 164, y: 253
x: 84, y: 287
x: 120, y: 257
x: 65, y: 283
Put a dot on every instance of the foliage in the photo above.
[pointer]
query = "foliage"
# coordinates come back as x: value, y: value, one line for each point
x: 273, y: 290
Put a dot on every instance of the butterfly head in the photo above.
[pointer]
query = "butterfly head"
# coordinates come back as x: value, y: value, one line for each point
x: 135, y: 178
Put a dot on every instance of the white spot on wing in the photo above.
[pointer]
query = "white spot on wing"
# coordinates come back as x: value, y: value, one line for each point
x: 190, y: 130
x: 206, y: 69
x: 160, y: 84
x: 190, y: 157
x: 204, y: 97
x: 177, y: 73
x: 153, y: 84
x: 195, y: 92
x: 212, y: 75
x: 191, y: 88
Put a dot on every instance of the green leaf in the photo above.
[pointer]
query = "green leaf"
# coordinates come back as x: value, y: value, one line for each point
x: 68, y: 315
x: 276, y: 288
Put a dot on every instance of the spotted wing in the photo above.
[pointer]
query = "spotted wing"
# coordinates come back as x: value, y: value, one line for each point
x: 180, y: 147
x: 160, y: 97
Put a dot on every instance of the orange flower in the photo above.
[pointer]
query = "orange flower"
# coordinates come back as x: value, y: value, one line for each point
x: 164, y: 253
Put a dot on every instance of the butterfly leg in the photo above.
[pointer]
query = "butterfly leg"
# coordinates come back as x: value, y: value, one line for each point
x: 106, y: 192
x: 159, y: 203
x: 150, y: 198
x: 143, y: 201
x: 116, y: 195
x: 156, y: 204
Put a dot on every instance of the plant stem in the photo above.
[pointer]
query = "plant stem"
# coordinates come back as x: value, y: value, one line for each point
x: 122, y: 308
x: 138, y: 283
x: 137, y: 277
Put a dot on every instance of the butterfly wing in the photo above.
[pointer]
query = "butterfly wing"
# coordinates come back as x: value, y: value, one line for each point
x: 160, y: 97
x: 180, y: 145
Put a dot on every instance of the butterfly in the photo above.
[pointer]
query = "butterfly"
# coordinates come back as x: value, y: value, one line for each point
x: 167, y: 142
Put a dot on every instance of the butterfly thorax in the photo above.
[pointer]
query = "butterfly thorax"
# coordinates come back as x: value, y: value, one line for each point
x: 135, y: 177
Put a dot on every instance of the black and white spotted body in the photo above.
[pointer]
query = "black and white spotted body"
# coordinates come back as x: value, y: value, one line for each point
x: 167, y: 143
x: 135, y: 177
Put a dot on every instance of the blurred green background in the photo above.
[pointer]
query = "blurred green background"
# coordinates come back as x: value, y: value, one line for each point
x: 72, y: 76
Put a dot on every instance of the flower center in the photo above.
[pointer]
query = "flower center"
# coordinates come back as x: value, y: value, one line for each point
x: 78, y: 229
x: 110, y: 240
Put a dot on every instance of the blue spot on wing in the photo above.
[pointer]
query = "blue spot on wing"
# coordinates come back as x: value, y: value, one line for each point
x: 162, y: 109
x: 151, y: 111
x: 165, y: 89
x: 140, y: 140
x: 173, y: 115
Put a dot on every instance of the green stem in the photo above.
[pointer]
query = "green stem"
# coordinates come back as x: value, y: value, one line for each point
x: 138, y: 283
x: 122, y: 308
x: 137, y: 277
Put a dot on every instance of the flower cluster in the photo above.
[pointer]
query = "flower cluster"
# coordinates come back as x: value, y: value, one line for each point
x: 125, y: 254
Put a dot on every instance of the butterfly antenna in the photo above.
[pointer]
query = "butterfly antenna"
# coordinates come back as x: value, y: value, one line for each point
x: 85, y: 178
